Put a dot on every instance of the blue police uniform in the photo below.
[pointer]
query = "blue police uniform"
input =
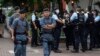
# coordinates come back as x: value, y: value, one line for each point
x: 20, y: 27
x: 78, y: 31
x: 57, y: 33
x: 97, y: 31
x: 97, y: 18
x: 11, y: 19
x: 90, y: 29
x: 46, y: 35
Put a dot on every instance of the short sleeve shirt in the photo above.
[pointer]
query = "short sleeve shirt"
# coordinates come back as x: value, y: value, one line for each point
x: 97, y: 19
x: 11, y: 19
x: 45, y: 21
x: 20, y: 26
x: 33, y: 17
x: 55, y: 17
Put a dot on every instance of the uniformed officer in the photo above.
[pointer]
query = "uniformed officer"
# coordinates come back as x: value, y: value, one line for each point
x: 20, y: 34
x: 89, y: 28
x: 57, y: 31
x: 97, y: 29
x: 2, y: 21
x: 47, y: 25
x: 34, y: 27
x: 67, y: 30
x: 14, y: 16
x: 78, y: 22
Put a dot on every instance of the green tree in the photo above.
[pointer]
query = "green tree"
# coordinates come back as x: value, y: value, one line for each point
x: 5, y: 2
x: 40, y: 5
x: 1, y: 1
x: 31, y: 4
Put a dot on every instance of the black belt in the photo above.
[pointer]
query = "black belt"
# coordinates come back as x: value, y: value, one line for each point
x: 20, y: 33
x: 46, y: 33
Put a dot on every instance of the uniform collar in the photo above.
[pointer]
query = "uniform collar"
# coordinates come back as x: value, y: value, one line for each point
x: 21, y: 19
x: 77, y: 12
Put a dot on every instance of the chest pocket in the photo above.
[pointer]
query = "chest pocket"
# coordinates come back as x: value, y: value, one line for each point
x: 22, y: 25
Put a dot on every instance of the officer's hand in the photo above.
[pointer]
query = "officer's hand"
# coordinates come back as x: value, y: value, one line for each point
x: 29, y: 39
x: 63, y: 20
x: 35, y: 28
x: 12, y: 38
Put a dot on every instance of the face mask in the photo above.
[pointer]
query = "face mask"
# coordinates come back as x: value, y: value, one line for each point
x: 57, y: 11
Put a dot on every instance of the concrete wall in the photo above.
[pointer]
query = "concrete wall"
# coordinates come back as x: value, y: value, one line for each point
x: 84, y: 4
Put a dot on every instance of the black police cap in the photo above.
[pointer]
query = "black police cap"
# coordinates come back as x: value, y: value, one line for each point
x: 22, y: 11
x: 46, y: 9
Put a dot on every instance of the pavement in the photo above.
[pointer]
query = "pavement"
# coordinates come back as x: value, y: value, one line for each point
x: 6, y: 49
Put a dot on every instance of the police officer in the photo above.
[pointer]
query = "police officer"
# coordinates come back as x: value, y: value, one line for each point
x: 89, y: 28
x: 67, y: 30
x: 2, y: 21
x: 47, y: 25
x: 78, y: 22
x: 57, y: 31
x: 34, y: 26
x: 14, y: 16
x: 97, y: 29
x: 20, y: 34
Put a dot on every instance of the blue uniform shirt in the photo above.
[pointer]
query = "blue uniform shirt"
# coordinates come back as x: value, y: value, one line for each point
x: 97, y: 19
x: 73, y: 17
x: 11, y: 19
x: 20, y: 26
x: 45, y: 21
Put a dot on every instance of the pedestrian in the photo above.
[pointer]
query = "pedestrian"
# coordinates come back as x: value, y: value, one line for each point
x: 78, y: 19
x: 20, y: 34
x: 89, y: 28
x: 67, y: 30
x: 57, y: 30
x: 97, y: 29
x: 47, y: 25
x: 2, y: 22
x: 14, y: 16
x: 34, y: 27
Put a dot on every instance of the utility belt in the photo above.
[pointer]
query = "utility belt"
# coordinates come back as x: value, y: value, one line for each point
x: 20, y: 33
x: 24, y: 33
x: 20, y: 41
x: 90, y: 25
x: 46, y: 32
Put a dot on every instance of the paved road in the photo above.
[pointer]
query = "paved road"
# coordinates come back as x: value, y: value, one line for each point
x: 6, y: 49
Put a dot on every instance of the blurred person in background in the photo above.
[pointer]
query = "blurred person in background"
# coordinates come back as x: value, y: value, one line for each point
x: 2, y: 22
